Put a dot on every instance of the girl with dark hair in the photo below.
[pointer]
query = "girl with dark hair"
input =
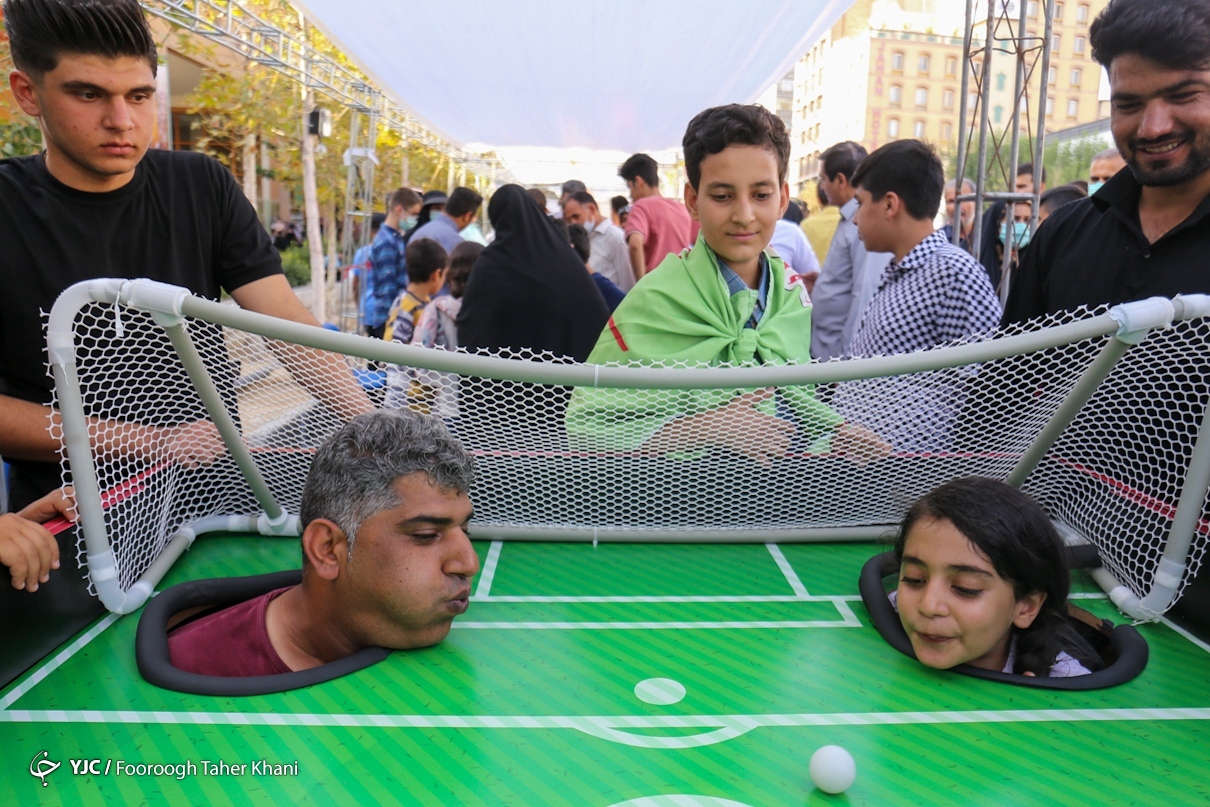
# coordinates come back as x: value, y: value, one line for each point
x: 983, y: 580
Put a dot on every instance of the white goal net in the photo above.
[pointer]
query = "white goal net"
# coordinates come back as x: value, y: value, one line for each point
x: 181, y: 415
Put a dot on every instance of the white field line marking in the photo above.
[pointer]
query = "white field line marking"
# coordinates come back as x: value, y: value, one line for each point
x: 464, y: 625
x: 717, y: 728
x: 484, y: 589
x: 791, y: 576
x: 1185, y: 633
x: 57, y: 660
x: 850, y: 618
x: 675, y: 598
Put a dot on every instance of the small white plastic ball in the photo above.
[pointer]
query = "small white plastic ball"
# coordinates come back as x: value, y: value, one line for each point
x: 833, y: 769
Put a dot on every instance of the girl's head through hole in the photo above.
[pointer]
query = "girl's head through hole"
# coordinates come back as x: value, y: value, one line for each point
x: 983, y: 579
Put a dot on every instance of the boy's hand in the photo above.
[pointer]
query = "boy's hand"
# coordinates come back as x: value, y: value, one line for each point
x: 860, y: 445
x: 748, y: 431
x: 26, y: 547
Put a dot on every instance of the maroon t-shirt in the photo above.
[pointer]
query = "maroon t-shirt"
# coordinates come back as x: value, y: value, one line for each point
x: 232, y: 643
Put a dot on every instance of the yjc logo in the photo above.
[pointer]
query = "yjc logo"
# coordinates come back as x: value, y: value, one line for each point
x: 43, y: 767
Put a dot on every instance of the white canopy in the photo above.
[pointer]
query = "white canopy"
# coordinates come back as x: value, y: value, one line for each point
x: 610, y: 74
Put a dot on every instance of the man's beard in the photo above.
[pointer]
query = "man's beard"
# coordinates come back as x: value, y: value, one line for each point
x: 1196, y: 164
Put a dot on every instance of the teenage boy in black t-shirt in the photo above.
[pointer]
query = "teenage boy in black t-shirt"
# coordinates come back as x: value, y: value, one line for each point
x: 96, y: 203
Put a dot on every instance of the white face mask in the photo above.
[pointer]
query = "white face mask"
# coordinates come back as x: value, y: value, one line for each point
x: 589, y: 225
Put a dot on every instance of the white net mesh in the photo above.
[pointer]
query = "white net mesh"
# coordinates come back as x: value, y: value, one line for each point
x: 583, y: 462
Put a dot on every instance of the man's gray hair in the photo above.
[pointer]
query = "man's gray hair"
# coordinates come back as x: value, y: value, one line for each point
x: 966, y: 183
x: 1107, y: 154
x: 353, y: 474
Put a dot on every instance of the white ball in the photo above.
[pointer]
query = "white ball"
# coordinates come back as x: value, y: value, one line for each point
x: 833, y: 769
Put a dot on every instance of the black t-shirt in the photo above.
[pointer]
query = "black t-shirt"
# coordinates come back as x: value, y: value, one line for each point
x: 182, y: 219
x: 1093, y: 252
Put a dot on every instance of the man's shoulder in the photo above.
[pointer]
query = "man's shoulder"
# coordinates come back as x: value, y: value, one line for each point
x: 20, y: 167
x: 184, y: 164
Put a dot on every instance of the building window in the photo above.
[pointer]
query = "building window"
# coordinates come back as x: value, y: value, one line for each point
x: 923, y: 62
x: 1073, y: 107
x: 892, y: 128
x: 918, y: 130
x: 897, y: 61
x: 972, y: 100
x: 951, y: 65
x: 997, y: 114
x: 1051, y: 74
x: 922, y: 97
x: 1076, y: 75
x: 1050, y: 106
x: 1056, y: 43
x: 786, y: 85
x: 947, y: 132
x: 1082, y: 13
x: 1000, y: 79
x: 896, y: 95
x: 1078, y: 45
x: 1059, y: 12
x: 1031, y: 8
x: 947, y: 99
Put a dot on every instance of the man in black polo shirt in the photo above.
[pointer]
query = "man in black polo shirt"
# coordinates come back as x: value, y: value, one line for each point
x: 1145, y: 233
x: 97, y: 203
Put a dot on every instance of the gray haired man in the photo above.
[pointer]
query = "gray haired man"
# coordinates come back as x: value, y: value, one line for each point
x: 387, y: 561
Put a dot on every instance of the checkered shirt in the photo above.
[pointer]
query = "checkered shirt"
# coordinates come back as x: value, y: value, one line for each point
x: 938, y: 293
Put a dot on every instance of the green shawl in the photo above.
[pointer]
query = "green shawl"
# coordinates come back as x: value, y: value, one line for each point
x: 683, y: 312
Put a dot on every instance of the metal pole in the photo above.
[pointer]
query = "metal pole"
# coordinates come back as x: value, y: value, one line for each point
x: 984, y: 123
x: 967, y: 40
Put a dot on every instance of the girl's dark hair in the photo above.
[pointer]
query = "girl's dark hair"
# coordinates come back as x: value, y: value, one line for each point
x: 41, y: 31
x: 1015, y: 534
x: 462, y: 259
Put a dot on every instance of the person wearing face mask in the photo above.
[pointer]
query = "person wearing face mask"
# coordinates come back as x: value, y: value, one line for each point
x: 388, y: 269
x: 1016, y: 228
x: 967, y: 213
x: 609, y: 255
x: 1104, y: 166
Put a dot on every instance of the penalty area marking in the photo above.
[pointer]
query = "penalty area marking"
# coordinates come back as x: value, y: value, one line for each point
x: 622, y: 730
x: 791, y: 576
x: 57, y: 660
x: 484, y: 589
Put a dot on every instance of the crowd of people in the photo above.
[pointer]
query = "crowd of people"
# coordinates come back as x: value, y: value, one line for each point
x: 722, y: 277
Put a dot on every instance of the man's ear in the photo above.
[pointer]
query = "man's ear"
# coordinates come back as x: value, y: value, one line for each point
x: 891, y: 204
x: 325, y: 547
x: 785, y: 199
x: 25, y: 91
x: 1028, y: 608
x: 691, y: 201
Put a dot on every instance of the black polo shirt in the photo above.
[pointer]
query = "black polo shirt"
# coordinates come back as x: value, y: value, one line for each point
x: 1093, y: 251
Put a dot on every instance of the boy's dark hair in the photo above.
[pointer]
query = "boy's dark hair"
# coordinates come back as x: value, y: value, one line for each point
x: 1014, y: 533
x: 462, y: 260
x: 462, y: 201
x: 41, y: 31
x: 584, y: 198
x: 402, y: 197
x: 620, y: 204
x: 1054, y: 198
x: 712, y: 130
x: 424, y: 258
x: 1028, y: 168
x: 908, y: 168
x: 641, y: 165
x: 842, y: 158
x: 578, y: 237
x: 376, y: 220
x: 538, y: 196
x: 1171, y: 33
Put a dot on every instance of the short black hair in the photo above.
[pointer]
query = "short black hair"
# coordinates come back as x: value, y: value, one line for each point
x: 1171, y: 33
x: 402, y: 197
x: 584, y: 198
x: 41, y: 31
x: 641, y: 165
x: 462, y: 260
x: 714, y: 129
x: 538, y: 196
x: 620, y: 204
x: 463, y: 201
x: 1028, y: 168
x: 424, y: 258
x: 578, y: 236
x: 842, y: 158
x: 1054, y: 198
x: 820, y: 196
x: 908, y: 168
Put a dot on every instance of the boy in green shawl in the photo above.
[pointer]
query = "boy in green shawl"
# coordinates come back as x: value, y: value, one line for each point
x: 725, y: 301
